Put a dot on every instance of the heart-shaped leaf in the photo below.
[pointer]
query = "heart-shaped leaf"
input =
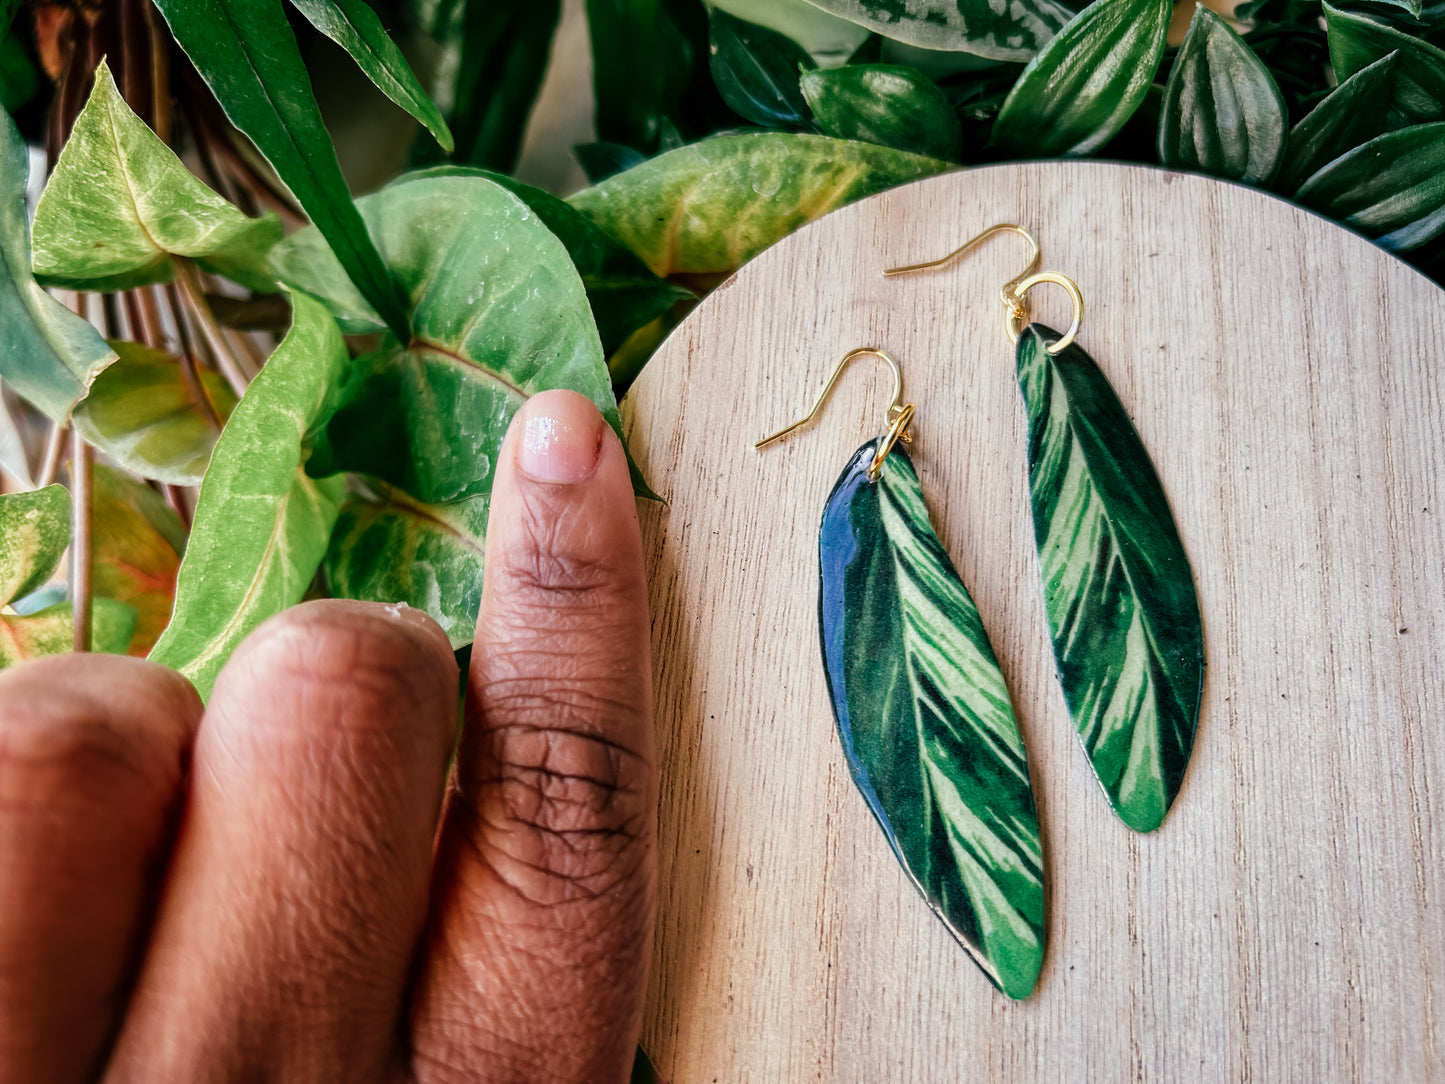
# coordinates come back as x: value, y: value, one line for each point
x: 389, y: 548
x: 1391, y: 189
x: 354, y: 26
x: 498, y: 313
x: 1349, y: 115
x: 1087, y: 82
x: 890, y: 104
x: 51, y: 631
x: 1418, y: 92
x: 47, y: 353
x: 1222, y: 112
x: 138, y: 542
x: 154, y: 416
x: 1014, y: 31
x: 756, y: 71
x: 247, y: 54
x: 120, y: 203
x: 262, y: 523
x: 34, y: 531
x: 711, y: 206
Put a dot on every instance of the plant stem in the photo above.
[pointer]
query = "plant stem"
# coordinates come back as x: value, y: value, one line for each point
x: 50, y: 462
x: 82, y: 476
x: 197, y: 309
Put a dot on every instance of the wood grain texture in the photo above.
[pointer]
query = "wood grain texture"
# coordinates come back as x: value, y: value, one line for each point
x: 1288, y: 921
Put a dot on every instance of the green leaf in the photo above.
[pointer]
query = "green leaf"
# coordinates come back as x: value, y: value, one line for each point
x: 1118, y: 590
x: 34, y: 531
x: 1349, y: 115
x: 120, y: 203
x: 827, y: 38
x: 389, y: 548
x: 51, y: 631
x: 245, y: 51
x: 623, y: 293
x: 888, y: 104
x: 1418, y: 93
x: 354, y: 26
x: 711, y: 206
x: 756, y: 70
x: 1391, y: 189
x: 138, y: 541
x: 1014, y: 31
x: 925, y: 720
x: 154, y: 417
x: 20, y: 79
x: 1222, y: 112
x: 47, y: 353
x: 602, y: 160
x: 8, y: 8
x: 498, y: 314
x: 1078, y: 92
x: 642, y: 63
x: 14, y: 460
x: 262, y: 523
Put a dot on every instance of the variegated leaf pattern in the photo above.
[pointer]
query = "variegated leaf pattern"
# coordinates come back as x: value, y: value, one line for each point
x: 1118, y: 588
x: 925, y: 720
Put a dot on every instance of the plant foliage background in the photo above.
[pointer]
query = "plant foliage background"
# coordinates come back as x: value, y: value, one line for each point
x: 258, y: 385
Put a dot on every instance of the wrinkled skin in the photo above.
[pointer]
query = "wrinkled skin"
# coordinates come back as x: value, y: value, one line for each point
x: 289, y: 885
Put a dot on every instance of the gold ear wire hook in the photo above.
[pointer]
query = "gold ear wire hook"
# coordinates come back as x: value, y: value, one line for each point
x: 899, y: 415
x: 1014, y: 291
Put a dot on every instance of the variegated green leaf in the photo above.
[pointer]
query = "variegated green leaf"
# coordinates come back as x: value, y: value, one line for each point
x: 1347, y: 117
x: 51, y: 631
x: 1013, y: 31
x: 1118, y: 589
x: 34, y: 531
x: 138, y: 542
x: 925, y: 720
x: 1417, y: 95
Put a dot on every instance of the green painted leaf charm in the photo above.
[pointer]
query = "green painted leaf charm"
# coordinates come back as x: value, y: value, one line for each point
x: 925, y: 720
x: 1118, y: 589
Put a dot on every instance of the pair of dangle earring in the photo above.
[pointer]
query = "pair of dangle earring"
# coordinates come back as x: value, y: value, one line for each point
x: 922, y: 709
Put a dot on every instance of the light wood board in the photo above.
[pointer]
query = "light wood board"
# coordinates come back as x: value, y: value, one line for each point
x: 1288, y: 921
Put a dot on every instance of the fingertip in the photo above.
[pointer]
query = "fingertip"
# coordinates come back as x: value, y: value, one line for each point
x: 560, y: 438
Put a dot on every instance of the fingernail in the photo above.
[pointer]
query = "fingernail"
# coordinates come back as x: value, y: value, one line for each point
x: 561, y: 437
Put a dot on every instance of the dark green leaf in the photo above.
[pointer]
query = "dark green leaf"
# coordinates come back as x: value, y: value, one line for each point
x: 388, y: 547
x: 711, y: 206
x: 1349, y: 115
x: 138, y: 542
x: 354, y: 26
x: 499, y: 314
x: 1222, y: 112
x: 47, y: 353
x: 120, y: 203
x: 50, y: 631
x: 888, y: 104
x: 1118, y: 590
x: 245, y: 51
x: 643, y: 61
x: 828, y: 39
x: 262, y: 523
x: 34, y: 531
x: 20, y: 79
x: 643, y: 1071
x: 925, y: 720
x: 1081, y: 88
x: 8, y: 8
x: 756, y: 70
x: 601, y: 160
x: 1012, y: 31
x: 1418, y: 93
x: 1391, y: 189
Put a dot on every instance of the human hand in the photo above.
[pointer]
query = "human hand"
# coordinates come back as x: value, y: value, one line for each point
x: 277, y: 888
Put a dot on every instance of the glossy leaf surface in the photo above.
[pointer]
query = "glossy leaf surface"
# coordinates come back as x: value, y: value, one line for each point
x: 138, y: 542
x: 827, y: 38
x: 1118, y: 589
x: 889, y: 104
x: 1349, y: 115
x: 119, y: 203
x: 389, y: 548
x: 1000, y: 31
x: 34, y: 531
x: 498, y: 313
x: 1222, y: 112
x: 1391, y: 189
x: 354, y: 26
x: 47, y: 353
x: 51, y: 631
x: 262, y: 523
x: 153, y: 417
x: 1087, y: 82
x: 925, y: 720
x: 713, y: 205
x: 756, y: 70
x: 247, y: 54
x: 1418, y: 93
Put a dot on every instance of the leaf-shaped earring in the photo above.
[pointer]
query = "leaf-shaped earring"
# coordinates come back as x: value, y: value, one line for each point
x: 922, y: 710
x: 1118, y: 589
